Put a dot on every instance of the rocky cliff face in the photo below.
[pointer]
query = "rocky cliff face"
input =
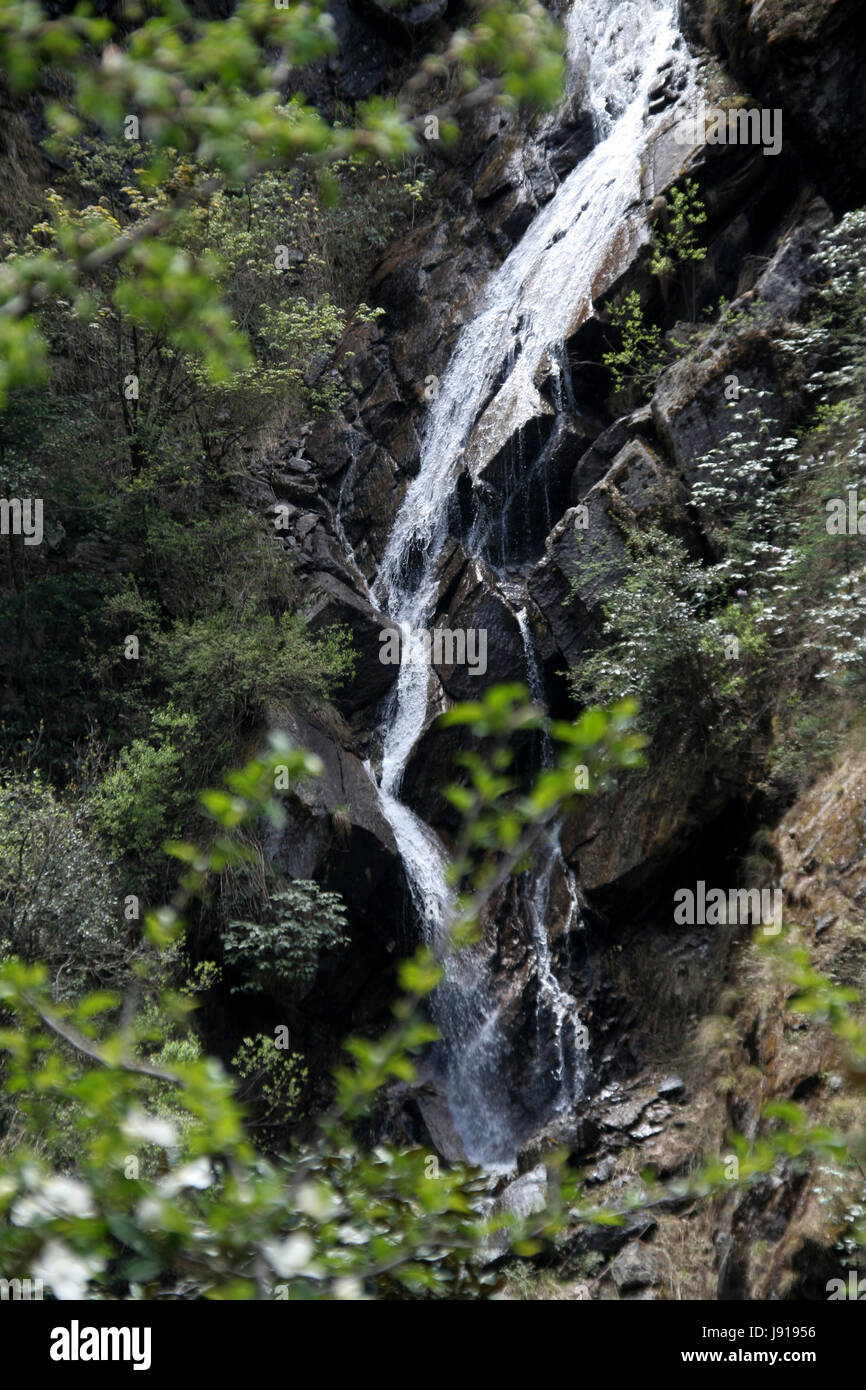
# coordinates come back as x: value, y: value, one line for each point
x: 745, y: 1049
x: 806, y: 57
x: 342, y: 482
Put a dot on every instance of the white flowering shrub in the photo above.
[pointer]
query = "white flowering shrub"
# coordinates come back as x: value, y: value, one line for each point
x: 667, y: 638
x: 746, y: 652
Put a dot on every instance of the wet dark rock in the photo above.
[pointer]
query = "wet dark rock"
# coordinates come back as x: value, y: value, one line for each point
x: 525, y: 488
x: 404, y: 14
x: 475, y: 605
x: 585, y: 551
x: 336, y: 834
x: 431, y: 767
x: 427, y: 285
x: 807, y: 59
x: 382, y: 403
x: 311, y: 840
x: 645, y: 1131
x: 333, y: 443
x: 417, y: 1115
x: 322, y: 553
x: 288, y: 487
x: 595, y: 462
x: 502, y: 171
x: 372, y: 492
x: 572, y: 139
x: 624, y: 1115
x: 602, y: 1172
x: 695, y: 400
x: 335, y: 603
x: 607, y: 1240
x: 403, y: 444
x: 372, y: 44
x: 523, y: 1197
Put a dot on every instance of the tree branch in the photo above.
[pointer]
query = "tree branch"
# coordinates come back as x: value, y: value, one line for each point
x: 76, y: 1039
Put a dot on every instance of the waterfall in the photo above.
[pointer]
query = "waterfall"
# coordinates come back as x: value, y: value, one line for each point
x: 527, y: 311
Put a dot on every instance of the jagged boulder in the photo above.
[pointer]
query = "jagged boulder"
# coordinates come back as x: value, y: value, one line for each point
x: 476, y: 606
x: 332, y: 817
x: 634, y: 1268
x: 739, y: 365
x: 417, y: 1115
x: 520, y: 1199
x: 584, y: 551
x: 333, y: 602
x: 374, y: 41
x: 336, y: 834
x: 427, y: 282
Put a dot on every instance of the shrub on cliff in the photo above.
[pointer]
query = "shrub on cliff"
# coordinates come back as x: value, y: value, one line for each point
x: 672, y: 638
x: 206, y: 100
x: 280, y: 956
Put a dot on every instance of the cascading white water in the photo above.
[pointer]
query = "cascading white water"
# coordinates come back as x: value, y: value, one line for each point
x: 569, y: 1034
x: 528, y: 309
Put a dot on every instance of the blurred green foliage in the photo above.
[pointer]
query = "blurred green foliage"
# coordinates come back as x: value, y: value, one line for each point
x: 175, y: 1202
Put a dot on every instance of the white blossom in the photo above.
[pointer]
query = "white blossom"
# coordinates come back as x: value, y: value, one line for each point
x: 66, y: 1273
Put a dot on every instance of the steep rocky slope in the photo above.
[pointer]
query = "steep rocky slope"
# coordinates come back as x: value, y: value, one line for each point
x: 711, y: 1043
x: 805, y: 56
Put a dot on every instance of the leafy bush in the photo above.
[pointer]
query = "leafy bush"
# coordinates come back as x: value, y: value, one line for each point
x: 198, y: 103
x: 635, y: 365
x: 272, y: 1077
x: 58, y: 903
x: 675, y: 238
x: 833, y: 338
x: 642, y: 352
x: 670, y: 638
x: 282, y: 955
x: 142, y: 795
x: 228, y: 667
x: 740, y: 497
x: 237, y: 562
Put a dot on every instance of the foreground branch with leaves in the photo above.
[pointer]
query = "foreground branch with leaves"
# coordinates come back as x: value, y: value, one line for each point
x: 219, y: 99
